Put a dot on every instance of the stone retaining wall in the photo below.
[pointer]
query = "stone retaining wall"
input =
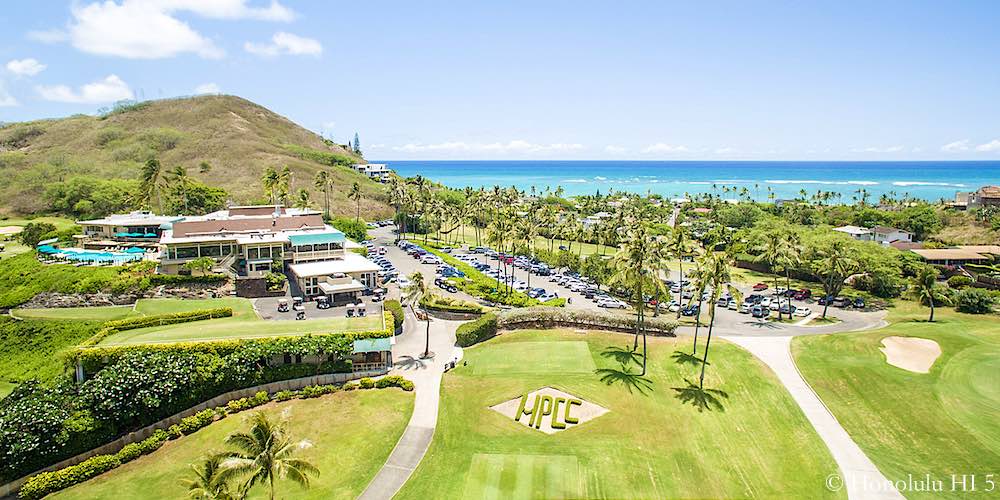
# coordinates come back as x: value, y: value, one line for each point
x: 10, y: 489
x: 190, y: 291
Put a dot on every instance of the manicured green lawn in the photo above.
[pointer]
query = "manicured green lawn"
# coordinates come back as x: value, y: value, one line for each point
x: 242, y: 309
x: 650, y: 445
x: 352, y: 433
x: 32, y: 349
x: 941, y: 423
x: 106, y: 313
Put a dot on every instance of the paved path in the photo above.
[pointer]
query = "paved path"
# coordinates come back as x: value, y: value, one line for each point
x: 857, y: 473
x: 426, y: 377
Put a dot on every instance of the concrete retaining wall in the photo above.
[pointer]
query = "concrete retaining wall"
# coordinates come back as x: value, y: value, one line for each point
x: 10, y: 489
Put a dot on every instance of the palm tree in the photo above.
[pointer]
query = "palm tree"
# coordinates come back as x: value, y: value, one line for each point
x: 284, y: 184
x: 210, y: 482
x: 324, y: 182
x: 270, y: 181
x: 773, y: 253
x: 302, y: 199
x: 355, y: 194
x: 635, y: 266
x: 413, y: 294
x: 716, y: 272
x: 925, y: 289
x: 179, y: 177
x: 680, y: 246
x: 150, y: 183
x: 266, y: 452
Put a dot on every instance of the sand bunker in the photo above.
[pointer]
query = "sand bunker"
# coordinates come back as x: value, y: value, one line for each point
x: 9, y: 230
x: 911, y: 353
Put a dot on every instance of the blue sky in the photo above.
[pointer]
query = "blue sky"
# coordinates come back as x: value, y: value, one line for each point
x: 539, y: 80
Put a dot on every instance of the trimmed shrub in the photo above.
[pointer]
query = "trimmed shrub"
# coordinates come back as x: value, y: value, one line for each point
x: 959, y: 281
x: 550, y: 317
x: 477, y: 331
x: 396, y: 309
x: 974, y: 301
x: 286, y: 395
x: 238, y: 405
x: 113, y: 327
x: 367, y: 383
x: 350, y: 386
x: 436, y: 302
x: 197, y: 421
x: 49, y: 482
x: 394, y: 381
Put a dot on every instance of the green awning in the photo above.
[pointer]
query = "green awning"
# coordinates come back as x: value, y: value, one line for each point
x: 373, y: 345
x: 316, y: 238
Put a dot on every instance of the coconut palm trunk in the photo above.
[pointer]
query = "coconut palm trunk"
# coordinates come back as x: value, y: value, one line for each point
x: 708, y: 342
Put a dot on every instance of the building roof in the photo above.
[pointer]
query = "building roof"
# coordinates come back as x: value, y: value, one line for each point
x: 352, y: 286
x: 887, y: 230
x: 906, y: 245
x: 989, y: 191
x: 947, y: 254
x: 316, y: 238
x: 246, y: 224
x: 351, y: 263
x: 137, y: 218
x: 855, y: 230
x: 373, y: 345
x: 993, y: 249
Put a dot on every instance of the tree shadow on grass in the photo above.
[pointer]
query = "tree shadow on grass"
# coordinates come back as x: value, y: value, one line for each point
x: 625, y: 377
x: 702, y: 399
x: 623, y: 355
x: 685, y: 358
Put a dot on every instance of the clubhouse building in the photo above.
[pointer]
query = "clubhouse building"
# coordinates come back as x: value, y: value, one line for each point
x: 248, y: 242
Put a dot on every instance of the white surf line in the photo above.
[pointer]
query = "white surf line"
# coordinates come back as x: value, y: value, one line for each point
x: 858, y: 474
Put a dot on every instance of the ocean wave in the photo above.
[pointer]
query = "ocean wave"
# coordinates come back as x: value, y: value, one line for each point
x: 599, y: 178
x: 701, y: 183
x: 574, y: 181
x: 825, y: 183
x: 921, y: 183
x: 734, y: 181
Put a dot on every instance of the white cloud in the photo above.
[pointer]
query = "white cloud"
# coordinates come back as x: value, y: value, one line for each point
x: 25, y: 67
x: 6, y: 100
x: 615, y: 150
x: 207, y: 88
x: 725, y: 151
x: 874, y: 149
x: 516, y: 146
x: 665, y: 148
x: 285, y: 43
x: 993, y: 145
x: 150, y: 29
x: 110, y: 89
x: 955, y: 147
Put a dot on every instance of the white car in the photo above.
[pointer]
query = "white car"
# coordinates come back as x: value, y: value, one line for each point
x: 744, y: 308
x: 404, y: 282
x: 611, y: 304
x: 766, y: 302
x: 430, y: 259
x: 803, y: 312
x: 733, y: 305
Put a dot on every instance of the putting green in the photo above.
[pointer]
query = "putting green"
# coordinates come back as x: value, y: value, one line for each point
x: 510, y: 476
x: 970, y: 388
x: 742, y: 437
x: 539, y: 357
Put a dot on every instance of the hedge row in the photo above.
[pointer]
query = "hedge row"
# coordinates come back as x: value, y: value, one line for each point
x: 476, y: 331
x: 113, y: 327
x: 46, y: 483
x: 396, y: 309
x: 487, y: 326
x: 438, y: 303
x: 95, y: 356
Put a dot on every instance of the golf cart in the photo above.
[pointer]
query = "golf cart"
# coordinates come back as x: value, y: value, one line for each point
x: 297, y: 304
x: 322, y: 302
x: 282, y: 305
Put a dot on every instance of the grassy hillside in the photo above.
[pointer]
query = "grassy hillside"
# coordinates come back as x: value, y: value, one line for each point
x: 238, y: 138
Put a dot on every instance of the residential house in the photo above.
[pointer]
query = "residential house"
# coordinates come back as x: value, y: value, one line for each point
x: 986, y: 196
x: 856, y: 232
x: 375, y: 171
x: 950, y: 256
x: 886, y: 235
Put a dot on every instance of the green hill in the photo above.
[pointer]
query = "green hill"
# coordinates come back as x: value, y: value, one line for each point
x: 238, y: 138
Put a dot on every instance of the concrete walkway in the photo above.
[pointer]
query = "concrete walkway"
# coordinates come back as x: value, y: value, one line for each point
x: 857, y: 473
x: 426, y: 377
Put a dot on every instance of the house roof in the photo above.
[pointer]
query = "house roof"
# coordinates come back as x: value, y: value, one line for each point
x: 906, y: 245
x: 246, y: 224
x: 137, y: 218
x: 852, y: 230
x: 993, y: 249
x: 947, y: 254
x: 887, y: 230
x: 990, y: 191
x: 351, y: 263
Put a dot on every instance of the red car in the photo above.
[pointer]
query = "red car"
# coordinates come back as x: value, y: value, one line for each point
x: 803, y: 294
x: 759, y: 287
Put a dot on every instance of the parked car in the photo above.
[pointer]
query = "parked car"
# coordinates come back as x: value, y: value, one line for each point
x: 691, y: 310
x: 786, y: 308
x: 722, y: 302
x: 759, y: 287
x: 733, y: 305
x: 802, y: 312
x: 859, y: 303
x: 760, y: 312
x: 841, y: 302
x: 745, y: 308
x: 430, y: 259
x: 404, y: 282
x: 803, y: 294
x: 780, y: 290
x: 611, y: 304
